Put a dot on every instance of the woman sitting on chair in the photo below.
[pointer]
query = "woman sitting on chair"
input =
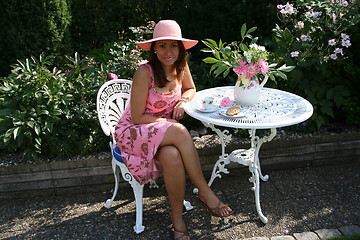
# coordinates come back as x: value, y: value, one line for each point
x: 151, y: 139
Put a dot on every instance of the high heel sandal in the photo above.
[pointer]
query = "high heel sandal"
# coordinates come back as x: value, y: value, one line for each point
x: 182, y: 234
x: 216, y: 212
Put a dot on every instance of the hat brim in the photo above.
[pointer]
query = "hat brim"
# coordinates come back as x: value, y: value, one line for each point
x: 188, y: 43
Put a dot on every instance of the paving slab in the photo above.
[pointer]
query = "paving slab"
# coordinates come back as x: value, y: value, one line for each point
x: 306, y: 236
x: 328, y: 233
x: 350, y: 230
x: 257, y: 238
x: 286, y: 237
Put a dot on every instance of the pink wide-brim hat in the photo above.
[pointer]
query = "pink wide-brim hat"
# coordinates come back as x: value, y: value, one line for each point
x: 167, y: 30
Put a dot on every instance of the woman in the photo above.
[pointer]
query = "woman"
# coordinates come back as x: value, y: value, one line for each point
x: 151, y: 139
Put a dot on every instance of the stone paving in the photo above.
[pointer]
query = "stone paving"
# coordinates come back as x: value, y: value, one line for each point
x: 302, y: 204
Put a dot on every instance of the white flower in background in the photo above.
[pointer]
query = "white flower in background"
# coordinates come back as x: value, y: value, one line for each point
x: 333, y: 16
x: 344, y: 36
x: 312, y: 14
x: 299, y: 25
x: 332, y: 42
x: 295, y: 54
x: 305, y: 38
x: 317, y: 14
x: 286, y: 9
x: 344, y: 3
x: 333, y: 56
x: 257, y: 47
x: 346, y: 43
x: 339, y: 51
x: 248, y: 56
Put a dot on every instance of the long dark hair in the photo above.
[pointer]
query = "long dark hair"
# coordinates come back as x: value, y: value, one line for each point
x: 159, y: 73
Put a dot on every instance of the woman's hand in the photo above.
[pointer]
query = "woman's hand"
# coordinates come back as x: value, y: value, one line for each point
x: 179, y: 111
x: 188, y: 92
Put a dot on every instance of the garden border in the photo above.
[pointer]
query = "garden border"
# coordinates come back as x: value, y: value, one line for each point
x: 95, y: 174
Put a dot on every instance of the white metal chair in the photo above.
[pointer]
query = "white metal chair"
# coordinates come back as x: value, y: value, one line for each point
x: 112, y: 98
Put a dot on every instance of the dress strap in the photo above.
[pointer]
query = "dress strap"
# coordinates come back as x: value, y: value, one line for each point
x: 151, y: 74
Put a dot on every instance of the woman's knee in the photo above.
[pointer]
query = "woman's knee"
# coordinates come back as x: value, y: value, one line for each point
x: 180, y: 132
x: 169, y: 155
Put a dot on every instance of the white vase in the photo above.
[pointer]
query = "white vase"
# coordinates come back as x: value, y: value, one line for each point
x: 248, y: 94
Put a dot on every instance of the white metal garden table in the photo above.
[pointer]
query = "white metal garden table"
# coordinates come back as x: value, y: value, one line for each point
x: 275, y: 109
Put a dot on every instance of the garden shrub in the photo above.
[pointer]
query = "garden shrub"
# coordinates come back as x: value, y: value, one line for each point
x: 316, y: 37
x: 50, y: 112
x: 124, y: 56
x: 31, y: 28
x: 97, y: 23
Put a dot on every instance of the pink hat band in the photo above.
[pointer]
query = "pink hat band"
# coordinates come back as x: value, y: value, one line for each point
x: 167, y: 30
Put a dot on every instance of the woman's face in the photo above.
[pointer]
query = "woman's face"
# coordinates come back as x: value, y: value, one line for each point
x: 167, y: 51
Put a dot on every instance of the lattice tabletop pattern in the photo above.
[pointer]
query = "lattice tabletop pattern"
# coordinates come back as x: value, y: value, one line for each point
x: 275, y: 108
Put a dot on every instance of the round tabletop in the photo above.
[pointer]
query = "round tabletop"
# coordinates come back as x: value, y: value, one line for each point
x: 275, y: 109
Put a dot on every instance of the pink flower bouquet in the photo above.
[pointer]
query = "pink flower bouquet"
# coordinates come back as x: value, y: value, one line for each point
x: 249, y: 62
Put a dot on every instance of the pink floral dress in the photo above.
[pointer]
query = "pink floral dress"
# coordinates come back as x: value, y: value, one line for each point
x: 139, y: 142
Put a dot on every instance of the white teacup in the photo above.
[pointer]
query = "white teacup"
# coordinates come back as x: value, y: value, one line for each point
x: 207, y: 103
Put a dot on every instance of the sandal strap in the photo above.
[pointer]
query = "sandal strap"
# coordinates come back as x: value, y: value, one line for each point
x: 216, y: 211
x: 181, y: 233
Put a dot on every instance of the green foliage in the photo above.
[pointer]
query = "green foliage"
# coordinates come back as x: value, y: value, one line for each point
x: 346, y: 237
x: 50, y: 112
x: 82, y: 25
x: 314, y: 36
x: 352, y: 110
x: 31, y: 28
x: 124, y: 56
x: 228, y: 56
x: 316, y: 31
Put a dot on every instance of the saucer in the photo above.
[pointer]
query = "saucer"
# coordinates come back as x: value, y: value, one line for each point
x: 223, y: 113
x: 213, y: 108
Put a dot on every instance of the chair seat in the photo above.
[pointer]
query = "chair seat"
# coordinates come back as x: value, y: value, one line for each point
x: 117, y: 154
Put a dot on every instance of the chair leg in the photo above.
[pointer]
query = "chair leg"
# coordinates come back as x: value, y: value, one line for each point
x: 188, y: 205
x: 117, y: 178
x: 153, y: 184
x: 138, y: 190
x: 138, y: 193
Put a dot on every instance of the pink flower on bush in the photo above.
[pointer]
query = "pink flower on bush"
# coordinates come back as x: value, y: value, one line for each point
x: 134, y: 53
x: 113, y: 76
x: 142, y: 62
x: 225, y: 102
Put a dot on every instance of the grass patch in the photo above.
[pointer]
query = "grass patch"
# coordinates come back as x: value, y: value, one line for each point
x: 347, y: 237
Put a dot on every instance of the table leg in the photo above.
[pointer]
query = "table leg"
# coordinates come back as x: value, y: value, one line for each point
x: 256, y: 143
x: 255, y: 168
x: 257, y: 196
x: 219, y: 167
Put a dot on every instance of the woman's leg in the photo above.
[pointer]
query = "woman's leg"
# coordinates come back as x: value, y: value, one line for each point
x: 178, y: 136
x: 174, y: 178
